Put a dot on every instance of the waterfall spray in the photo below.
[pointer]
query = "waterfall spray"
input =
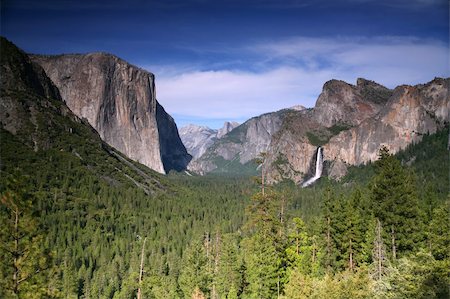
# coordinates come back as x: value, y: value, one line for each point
x: 319, y: 168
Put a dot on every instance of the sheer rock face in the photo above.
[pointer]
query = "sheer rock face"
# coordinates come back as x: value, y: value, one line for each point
x: 227, y: 127
x: 375, y: 115
x: 411, y: 112
x: 343, y: 103
x: 197, y: 139
x: 118, y: 100
x: 243, y: 144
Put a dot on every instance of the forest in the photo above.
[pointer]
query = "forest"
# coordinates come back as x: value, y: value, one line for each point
x: 69, y: 232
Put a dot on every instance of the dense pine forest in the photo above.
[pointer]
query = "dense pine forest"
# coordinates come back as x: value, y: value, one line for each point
x: 71, y: 230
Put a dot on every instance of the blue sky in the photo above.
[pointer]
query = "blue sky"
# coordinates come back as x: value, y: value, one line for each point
x: 234, y: 59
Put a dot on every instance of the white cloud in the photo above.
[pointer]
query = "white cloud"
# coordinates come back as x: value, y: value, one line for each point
x: 234, y: 94
x: 294, y: 73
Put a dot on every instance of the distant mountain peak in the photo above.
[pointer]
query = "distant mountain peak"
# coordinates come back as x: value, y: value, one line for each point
x: 197, y: 139
x: 227, y: 127
x: 298, y: 107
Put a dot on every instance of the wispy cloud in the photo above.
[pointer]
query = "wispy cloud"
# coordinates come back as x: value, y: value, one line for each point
x: 292, y: 71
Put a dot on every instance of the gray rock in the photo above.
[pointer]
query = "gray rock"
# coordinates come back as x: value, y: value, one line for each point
x: 227, y: 127
x: 242, y: 144
x: 118, y: 100
x: 197, y: 139
x: 375, y: 116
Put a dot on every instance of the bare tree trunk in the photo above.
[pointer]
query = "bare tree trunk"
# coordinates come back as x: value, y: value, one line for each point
x: 141, y: 270
x: 278, y: 287
x: 216, y: 265
x: 351, y: 256
x: 394, y: 250
x: 378, y: 248
x: 262, y: 178
x: 328, y: 244
x: 16, y: 251
x: 283, y: 200
x: 314, y: 251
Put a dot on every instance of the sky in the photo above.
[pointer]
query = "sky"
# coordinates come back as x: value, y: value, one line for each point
x: 230, y: 60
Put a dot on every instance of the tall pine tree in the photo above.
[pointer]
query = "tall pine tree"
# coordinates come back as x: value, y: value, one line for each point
x: 395, y: 204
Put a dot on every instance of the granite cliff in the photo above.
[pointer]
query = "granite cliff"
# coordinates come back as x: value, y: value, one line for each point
x: 37, y: 128
x: 197, y: 139
x: 118, y: 100
x: 351, y: 123
x: 234, y: 152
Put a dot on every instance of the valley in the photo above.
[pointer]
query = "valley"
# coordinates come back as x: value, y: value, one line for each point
x: 103, y: 197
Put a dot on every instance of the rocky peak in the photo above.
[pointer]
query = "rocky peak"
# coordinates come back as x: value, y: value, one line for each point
x: 343, y: 103
x: 119, y: 101
x: 227, y: 127
x: 19, y: 73
x: 197, y: 139
x: 298, y: 107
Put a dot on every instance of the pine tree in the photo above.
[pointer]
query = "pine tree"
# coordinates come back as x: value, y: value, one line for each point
x: 26, y: 268
x: 263, y: 265
x: 380, y: 265
x: 299, y: 249
x: 195, y: 273
x: 439, y: 236
x: 327, y: 226
x: 350, y: 231
x: 395, y: 204
x: 228, y: 276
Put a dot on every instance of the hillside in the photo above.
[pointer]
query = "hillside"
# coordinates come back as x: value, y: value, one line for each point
x: 80, y: 220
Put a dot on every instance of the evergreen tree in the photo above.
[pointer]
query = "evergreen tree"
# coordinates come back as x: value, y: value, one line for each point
x: 228, y: 279
x: 195, y: 272
x: 328, y: 230
x: 263, y: 265
x: 439, y: 228
x: 299, y: 251
x: 349, y: 231
x: 395, y: 204
x: 26, y: 268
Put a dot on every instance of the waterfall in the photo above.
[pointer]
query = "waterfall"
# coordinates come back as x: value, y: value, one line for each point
x: 319, y: 167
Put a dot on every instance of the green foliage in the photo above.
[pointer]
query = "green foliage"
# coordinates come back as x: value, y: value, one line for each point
x: 27, y: 268
x: 395, y: 204
x: 195, y: 271
x: 439, y: 228
x: 233, y: 167
x: 321, y: 136
x: 228, y: 277
x: 263, y: 263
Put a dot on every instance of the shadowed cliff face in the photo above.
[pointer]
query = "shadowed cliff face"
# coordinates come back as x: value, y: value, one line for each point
x: 118, y: 100
x: 173, y: 153
x: 19, y: 73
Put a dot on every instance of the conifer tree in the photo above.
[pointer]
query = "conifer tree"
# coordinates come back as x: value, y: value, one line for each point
x: 327, y: 226
x: 395, y: 204
x: 439, y: 232
x: 195, y: 273
x: 26, y: 266
x: 263, y: 265
x: 228, y: 277
x: 299, y: 248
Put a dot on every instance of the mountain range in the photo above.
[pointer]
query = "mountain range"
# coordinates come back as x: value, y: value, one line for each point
x: 42, y: 136
x: 197, y: 139
x: 350, y: 122
x: 117, y: 101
